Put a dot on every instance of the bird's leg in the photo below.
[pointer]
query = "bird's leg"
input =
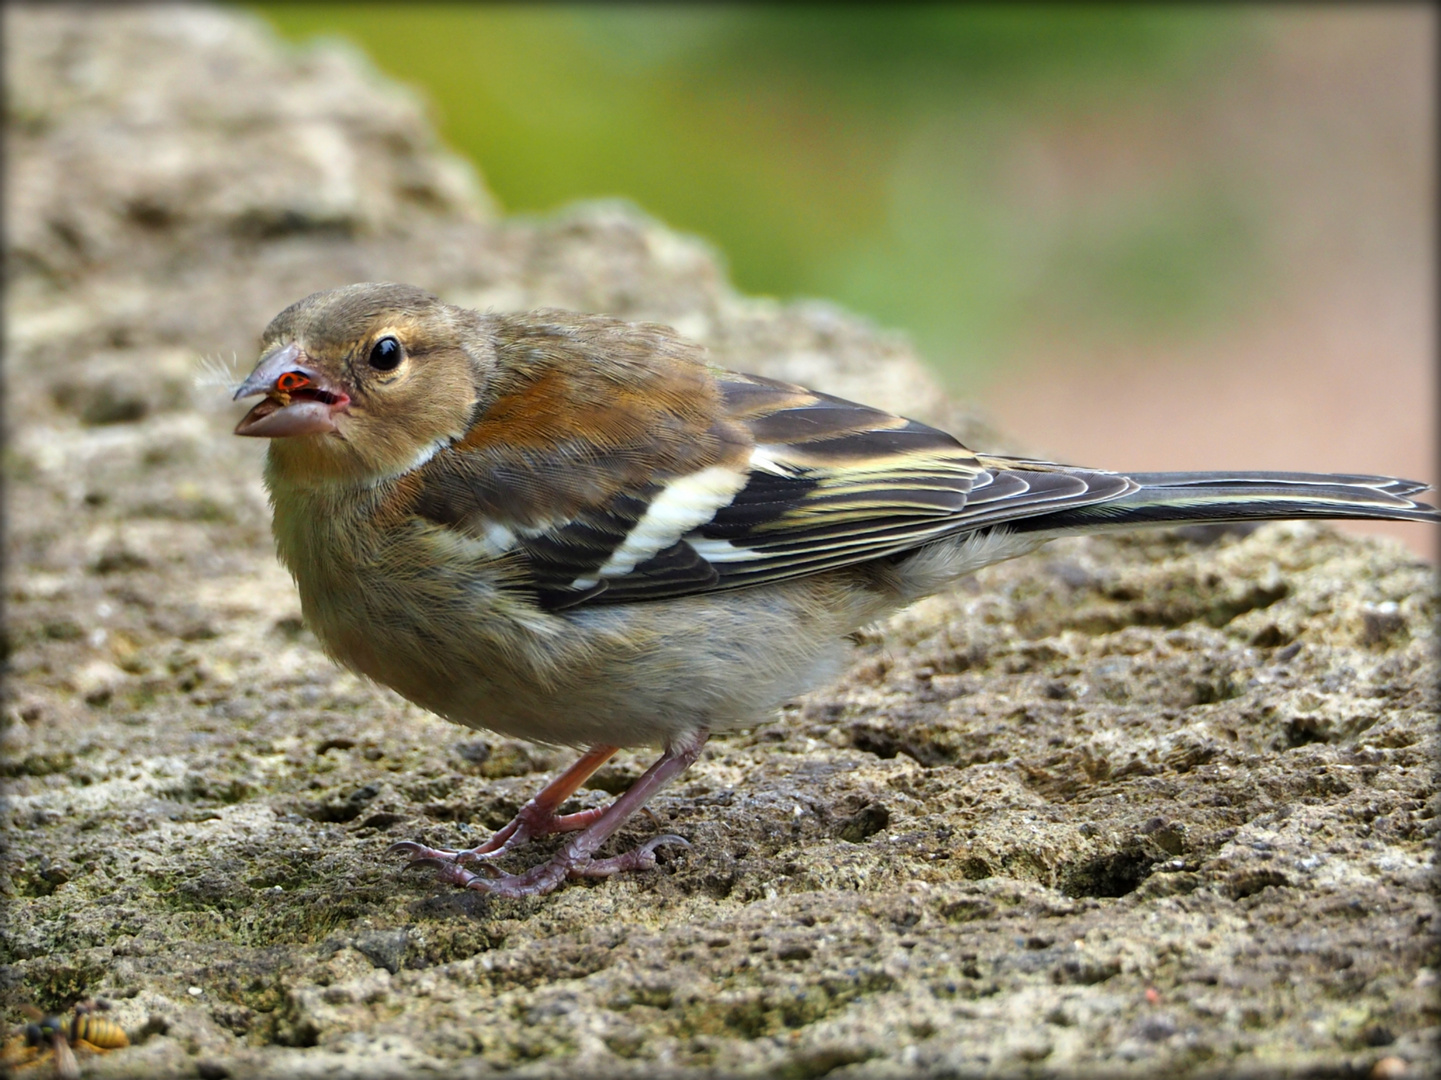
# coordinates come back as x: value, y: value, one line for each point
x: 538, y: 817
x: 577, y: 859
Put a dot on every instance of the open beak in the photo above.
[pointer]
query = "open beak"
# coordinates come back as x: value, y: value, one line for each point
x: 298, y: 400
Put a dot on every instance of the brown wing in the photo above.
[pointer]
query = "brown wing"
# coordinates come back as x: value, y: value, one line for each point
x: 656, y: 476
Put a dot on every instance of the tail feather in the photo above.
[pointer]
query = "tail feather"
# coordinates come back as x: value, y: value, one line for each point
x: 1195, y: 497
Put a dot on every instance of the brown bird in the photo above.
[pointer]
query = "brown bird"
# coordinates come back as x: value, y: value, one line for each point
x: 572, y: 529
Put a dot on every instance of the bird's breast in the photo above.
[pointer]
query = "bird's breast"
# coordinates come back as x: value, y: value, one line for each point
x: 386, y: 599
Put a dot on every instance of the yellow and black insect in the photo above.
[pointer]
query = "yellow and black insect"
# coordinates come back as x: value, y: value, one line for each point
x: 96, y: 1032
x: 52, y: 1039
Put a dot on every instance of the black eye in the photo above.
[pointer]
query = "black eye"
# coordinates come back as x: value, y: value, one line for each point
x: 386, y: 354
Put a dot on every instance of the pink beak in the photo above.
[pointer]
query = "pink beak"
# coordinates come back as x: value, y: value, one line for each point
x: 298, y: 401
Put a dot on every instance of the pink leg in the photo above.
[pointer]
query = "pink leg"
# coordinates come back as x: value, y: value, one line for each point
x: 536, y: 818
x: 576, y: 859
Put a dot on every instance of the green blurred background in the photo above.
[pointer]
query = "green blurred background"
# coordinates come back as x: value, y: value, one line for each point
x: 898, y: 159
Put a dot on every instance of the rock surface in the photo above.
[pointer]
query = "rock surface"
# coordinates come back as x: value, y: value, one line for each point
x: 1138, y: 803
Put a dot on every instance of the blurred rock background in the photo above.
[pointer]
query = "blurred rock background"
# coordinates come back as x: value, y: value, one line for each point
x: 1160, y: 237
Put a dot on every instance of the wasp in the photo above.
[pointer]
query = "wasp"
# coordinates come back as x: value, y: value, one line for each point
x: 51, y: 1038
x: 95, y: 1032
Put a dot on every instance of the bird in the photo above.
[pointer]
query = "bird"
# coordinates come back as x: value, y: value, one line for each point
x: 576, y: 530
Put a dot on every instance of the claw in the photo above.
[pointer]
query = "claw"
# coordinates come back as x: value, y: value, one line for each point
x: 480, y: 854
x: 538, y: 880
x: 425, y: 864
x: 413, y: 850
x: 639, y: 858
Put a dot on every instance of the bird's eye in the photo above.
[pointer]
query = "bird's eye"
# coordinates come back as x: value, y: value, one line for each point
x: 386, y: 354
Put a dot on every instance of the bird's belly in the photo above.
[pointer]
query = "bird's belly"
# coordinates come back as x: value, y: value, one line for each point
x: 457, y: 636
x: 626, y: 674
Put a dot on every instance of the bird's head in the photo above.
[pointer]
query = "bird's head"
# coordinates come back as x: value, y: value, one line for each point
x: 364, y: 382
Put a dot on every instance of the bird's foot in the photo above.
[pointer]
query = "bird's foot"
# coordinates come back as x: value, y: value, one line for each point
x: 525, y: 826
x: 536, y: 818
x: 537, y: 881
x: 577, y: 858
